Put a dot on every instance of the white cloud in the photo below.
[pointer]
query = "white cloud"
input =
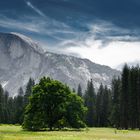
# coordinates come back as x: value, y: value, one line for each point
x: 116, y: 52
x: 14, y: 24
x: 35, y: 9
x: 118, y: 49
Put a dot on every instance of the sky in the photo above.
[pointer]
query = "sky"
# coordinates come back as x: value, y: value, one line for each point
x: 106, y: 32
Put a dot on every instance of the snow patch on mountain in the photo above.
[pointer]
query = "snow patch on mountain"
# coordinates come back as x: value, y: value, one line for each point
x: 4, y: 83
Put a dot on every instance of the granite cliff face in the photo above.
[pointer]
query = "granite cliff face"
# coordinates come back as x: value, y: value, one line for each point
x: 22, y: 58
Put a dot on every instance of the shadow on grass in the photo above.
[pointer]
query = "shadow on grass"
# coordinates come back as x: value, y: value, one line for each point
x: 57, y: 130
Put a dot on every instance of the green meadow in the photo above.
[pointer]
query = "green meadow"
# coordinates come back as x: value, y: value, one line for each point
x: 12, y: 132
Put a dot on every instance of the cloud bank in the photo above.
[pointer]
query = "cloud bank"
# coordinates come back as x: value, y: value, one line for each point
x: 105, y: 44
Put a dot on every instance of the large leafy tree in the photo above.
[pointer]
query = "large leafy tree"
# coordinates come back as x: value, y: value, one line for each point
x: 53, y: 105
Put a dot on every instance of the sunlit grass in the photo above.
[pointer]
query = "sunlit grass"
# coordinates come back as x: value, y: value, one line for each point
x: 12, y: 132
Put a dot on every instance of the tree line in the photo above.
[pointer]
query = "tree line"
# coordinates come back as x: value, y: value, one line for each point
x: 126, y: 99
x: 12, y: 108
x: 118, y: 106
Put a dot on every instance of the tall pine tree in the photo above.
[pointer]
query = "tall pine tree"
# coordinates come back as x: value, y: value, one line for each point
x: 1, y: 104
x: 28, y: 91
x: 90, y: 104
x: 124, y: 98
x: 19, y: 106
x: 102, y: 106
x: 115, y: 110
x: 99, y: 103
x: 79, y: 91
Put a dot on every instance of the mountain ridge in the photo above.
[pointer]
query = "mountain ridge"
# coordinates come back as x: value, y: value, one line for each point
x: 22, y: 58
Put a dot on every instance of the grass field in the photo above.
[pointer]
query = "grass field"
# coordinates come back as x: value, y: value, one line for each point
x: 11, y: 132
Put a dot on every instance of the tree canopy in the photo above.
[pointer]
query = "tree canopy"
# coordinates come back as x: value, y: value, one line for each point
x: 53, y: 105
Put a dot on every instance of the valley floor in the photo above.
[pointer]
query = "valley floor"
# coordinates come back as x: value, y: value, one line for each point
x: 12, y: 132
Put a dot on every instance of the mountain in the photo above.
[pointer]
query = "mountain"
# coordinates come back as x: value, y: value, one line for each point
x: 22, y: 58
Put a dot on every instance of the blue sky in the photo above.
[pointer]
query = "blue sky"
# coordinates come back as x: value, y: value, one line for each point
x: 105, y: 31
